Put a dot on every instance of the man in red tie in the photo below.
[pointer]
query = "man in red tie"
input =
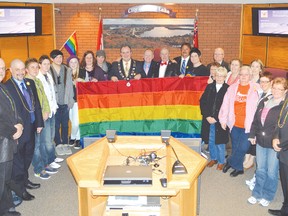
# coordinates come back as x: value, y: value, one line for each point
x: 166, y: 68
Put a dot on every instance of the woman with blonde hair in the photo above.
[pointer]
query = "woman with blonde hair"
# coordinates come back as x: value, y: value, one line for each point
x: 212, y: 132
x: 261, y: 135
x: 257, y: 68
x: 232, y: 76
x: 73, y: 63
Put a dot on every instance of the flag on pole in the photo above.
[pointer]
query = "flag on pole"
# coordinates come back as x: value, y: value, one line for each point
x: 100, y: 36
x: 195, y: 38
x: 71, y: 44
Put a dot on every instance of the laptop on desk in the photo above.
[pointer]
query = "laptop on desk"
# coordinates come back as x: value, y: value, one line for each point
x: 128, y: 175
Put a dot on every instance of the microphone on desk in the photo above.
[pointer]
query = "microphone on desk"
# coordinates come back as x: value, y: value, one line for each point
x: 178, y: 167
x: 111, y: 136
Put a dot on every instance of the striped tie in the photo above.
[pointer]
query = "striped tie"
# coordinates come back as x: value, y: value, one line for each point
x: 29, y: 101
x: 183, y: 67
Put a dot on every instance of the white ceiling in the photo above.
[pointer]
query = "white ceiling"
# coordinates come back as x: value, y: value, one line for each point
x: 159, y: 1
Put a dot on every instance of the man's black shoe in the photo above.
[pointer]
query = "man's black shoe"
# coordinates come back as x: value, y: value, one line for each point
x: 235, y: 173
x: 12, y: 213
x: 274, y: 212
x: 31, y: 185
x: 226, y: 167
x: 27, y: 196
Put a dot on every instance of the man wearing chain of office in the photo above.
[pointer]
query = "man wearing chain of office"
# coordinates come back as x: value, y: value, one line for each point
x: 280, y: 145
x: 24, y: 93
x: 126, y: 68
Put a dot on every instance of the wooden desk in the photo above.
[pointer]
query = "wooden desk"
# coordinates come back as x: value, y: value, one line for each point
x: 88, y: 166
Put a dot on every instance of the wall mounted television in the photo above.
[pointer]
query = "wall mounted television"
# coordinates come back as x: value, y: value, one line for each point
x: 20, y: 21
x: 270, y: 21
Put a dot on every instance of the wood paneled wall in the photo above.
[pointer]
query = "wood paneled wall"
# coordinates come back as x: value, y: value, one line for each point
x: 271, y: 50
x: 29, y: 46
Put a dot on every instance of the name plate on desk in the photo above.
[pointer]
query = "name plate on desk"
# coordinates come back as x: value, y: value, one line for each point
x: 128, y: 175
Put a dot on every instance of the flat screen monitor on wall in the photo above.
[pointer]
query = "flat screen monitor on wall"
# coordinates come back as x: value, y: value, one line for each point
x: 270, y: 21
x: 20, y: 21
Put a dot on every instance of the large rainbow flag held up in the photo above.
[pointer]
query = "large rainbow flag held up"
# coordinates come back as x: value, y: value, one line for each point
x: 71, y: 44
x: 145, y: 107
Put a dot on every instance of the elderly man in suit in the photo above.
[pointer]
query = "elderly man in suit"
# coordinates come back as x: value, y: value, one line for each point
x: 166, y: 68
x: 148, y: 66
x: 11, y: 129
x: 126, y: 68
x: 24, y: 93
x: 218, y: 56
x: 183, y: 61
x: 280, y: 145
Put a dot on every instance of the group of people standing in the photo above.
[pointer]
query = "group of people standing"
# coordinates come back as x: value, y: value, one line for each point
x: 250, y: 105
x: 40, y: 98
x: 36, y: 104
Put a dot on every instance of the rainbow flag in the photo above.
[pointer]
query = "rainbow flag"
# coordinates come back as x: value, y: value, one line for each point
x: 145, y: 107
x: 71, y: 44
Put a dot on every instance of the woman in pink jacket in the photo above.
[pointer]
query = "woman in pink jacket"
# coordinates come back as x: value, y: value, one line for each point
x: 237, y: 112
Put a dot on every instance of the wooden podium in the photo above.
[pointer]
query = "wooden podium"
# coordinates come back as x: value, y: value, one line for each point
x: 88, y: 167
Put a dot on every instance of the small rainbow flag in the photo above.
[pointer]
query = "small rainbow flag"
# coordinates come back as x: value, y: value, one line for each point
x: 141, y: 107
x: 71, y: 44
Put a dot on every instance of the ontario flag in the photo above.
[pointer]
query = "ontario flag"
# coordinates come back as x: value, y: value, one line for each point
x: 100, y: 45
x: 195, y: 38
x: 71, y: 44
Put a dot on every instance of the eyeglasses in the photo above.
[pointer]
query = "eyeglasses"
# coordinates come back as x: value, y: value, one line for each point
x: 277, y: 89
x: 263, y: 81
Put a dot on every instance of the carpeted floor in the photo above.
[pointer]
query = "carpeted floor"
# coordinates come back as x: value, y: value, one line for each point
x: 221, y: 195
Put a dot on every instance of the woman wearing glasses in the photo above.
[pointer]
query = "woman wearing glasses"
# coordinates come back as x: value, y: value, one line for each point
x: 263, y: 126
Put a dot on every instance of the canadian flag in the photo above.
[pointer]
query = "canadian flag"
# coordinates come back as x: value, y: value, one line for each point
x: 100, y: 45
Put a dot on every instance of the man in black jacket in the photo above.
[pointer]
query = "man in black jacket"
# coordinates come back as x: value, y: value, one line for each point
x: 280, y: 144
x: 166, y: 68
x: 184, y: 61
x: 10, y: 130
x: 24, y: 93
x: 148, y: 66
x: 125, y: 68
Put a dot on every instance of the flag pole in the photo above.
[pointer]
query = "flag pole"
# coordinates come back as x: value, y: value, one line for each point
x: 66, y: 40
x: 100, y: 13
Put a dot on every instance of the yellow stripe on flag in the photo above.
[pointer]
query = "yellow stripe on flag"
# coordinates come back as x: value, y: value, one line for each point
x: 186, y: 112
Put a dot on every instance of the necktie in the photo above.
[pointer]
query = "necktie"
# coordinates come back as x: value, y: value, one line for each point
x: 29, y: 102
x: 163, y: 63
x: 46, y: 78
x: 183, y: 67
x: 126, y: 69
x: 146, y: 69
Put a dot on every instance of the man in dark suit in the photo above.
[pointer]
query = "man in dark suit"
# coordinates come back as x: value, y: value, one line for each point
x: 219, y: 57
x: 166, y: 68
x: 183, y: 61
x: 280, y: 145
x: 24, y: 93
x: 11, y: 129
x: 148, y: 66
x: 125, y: 68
